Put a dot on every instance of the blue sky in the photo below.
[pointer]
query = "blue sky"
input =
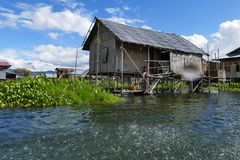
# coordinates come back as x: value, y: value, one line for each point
x: 44, y: 34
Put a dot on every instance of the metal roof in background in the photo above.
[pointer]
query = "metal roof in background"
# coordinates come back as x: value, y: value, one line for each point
x: 4, y: 64
x: 235, y: 52
x: 153, y: 38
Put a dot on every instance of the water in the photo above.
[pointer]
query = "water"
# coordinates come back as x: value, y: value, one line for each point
x: 199, y: 126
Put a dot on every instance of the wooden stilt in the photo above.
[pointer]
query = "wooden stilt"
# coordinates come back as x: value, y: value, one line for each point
x: 97, y: 55
x: 121, y: 48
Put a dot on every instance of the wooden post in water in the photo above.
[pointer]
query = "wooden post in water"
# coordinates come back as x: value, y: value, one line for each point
x: 218, y: 72
x: 121, y: 48
x: 209, y: 76
x: 97, y: 55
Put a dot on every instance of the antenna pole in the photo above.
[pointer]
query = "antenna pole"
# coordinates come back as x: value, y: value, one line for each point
x: 76, y: 61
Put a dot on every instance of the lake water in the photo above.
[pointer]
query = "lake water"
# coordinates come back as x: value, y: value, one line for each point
x: 198, y: 126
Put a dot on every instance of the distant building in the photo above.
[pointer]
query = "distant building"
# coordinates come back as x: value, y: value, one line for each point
x: 4, y: 66
x: 11, y: 74
x: 47, y: 74
x: 64, y: 72
x: 79, y: 73
x: 231, y: 65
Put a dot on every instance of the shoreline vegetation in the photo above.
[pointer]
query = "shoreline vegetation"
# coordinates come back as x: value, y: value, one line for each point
x: 226, y: 86
x: 42, y: 93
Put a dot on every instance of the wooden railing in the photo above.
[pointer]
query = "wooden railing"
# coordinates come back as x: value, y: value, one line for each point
x: 159, y: 66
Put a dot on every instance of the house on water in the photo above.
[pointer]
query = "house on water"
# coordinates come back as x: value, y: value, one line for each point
x: 230, y: 65
x: 118, y: 49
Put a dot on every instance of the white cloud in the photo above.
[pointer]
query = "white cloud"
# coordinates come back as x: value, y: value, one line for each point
x: 53, y: 35
x: 59, y: 55
x: 45, y: 57
x: 126, y: 8
x: 146, y: 27
x: 73, y: 3
x: 197, y: 39
x: 227, y: 38
x: 43, y: 17
x: 2, y: 9
x: 125, y: 20
x: 118, y: 15
x: 114, y: 11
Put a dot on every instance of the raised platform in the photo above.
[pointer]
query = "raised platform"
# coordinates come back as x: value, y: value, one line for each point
x: 129, y: 92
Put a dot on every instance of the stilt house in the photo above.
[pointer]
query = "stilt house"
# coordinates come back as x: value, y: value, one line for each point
x: 117, y: 48
x: 230, y: 65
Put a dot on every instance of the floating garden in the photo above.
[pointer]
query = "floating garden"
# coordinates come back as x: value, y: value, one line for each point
x: 42, y: 92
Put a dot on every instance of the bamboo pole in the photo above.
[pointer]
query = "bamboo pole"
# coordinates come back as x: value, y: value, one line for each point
x: 76, y: 61
x: 148, y: 68
x: 218, y: 72
x: 98, y: 41
x: 121, y: 48
x: 209, y: 76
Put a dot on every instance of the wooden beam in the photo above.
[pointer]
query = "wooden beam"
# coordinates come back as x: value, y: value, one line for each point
x: 121, y: 48
x: 97, y: 54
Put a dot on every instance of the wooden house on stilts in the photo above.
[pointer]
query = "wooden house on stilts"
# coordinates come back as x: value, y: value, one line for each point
x: 122, y: 50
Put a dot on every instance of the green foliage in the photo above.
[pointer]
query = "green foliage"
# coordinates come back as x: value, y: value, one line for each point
x: 226, y: 86
x: 24, y: 72
x: 42, y: 92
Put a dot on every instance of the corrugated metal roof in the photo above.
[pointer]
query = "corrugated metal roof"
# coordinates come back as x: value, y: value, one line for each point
x: 153, y: 38
x: 4, y: 64
x: 235, y: 52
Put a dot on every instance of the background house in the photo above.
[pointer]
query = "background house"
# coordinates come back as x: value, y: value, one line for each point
x: 4, y: 66
x: 231, y: 65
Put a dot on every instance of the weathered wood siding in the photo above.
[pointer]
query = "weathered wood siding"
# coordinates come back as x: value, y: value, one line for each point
x: 106, y: 60
x: 111, y: 62
x: 178, y: 61
x: 138, y: 55
x: 231, y: 69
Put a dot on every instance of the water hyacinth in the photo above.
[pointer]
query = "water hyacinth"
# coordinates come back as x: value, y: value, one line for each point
x: 42, y: 92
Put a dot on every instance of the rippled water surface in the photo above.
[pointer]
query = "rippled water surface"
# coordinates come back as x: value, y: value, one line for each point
x: 199, y: 126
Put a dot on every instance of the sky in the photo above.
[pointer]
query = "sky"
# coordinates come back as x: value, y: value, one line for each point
x: 41, y: 35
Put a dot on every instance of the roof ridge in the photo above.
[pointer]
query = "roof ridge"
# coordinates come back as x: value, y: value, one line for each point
x: 139, y: 27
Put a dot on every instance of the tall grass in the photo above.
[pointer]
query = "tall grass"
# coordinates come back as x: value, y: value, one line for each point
x: 42, y: 92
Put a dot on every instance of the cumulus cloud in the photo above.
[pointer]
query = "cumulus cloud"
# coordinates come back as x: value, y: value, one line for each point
x: 226, y: 39
x: 43, y: 17
x: 45, y: 57
x: 197, y: 39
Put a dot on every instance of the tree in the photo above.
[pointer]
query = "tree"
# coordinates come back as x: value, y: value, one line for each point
x: 23, y: 71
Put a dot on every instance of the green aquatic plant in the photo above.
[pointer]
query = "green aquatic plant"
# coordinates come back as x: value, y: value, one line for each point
x: 224, y: 86
x: 42, y: 92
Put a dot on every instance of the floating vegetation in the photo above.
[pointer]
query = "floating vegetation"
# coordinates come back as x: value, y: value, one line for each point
x: 42, y: 92
x: 225, y: 86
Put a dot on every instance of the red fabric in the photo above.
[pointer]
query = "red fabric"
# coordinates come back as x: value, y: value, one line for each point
x: 4, y: 64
